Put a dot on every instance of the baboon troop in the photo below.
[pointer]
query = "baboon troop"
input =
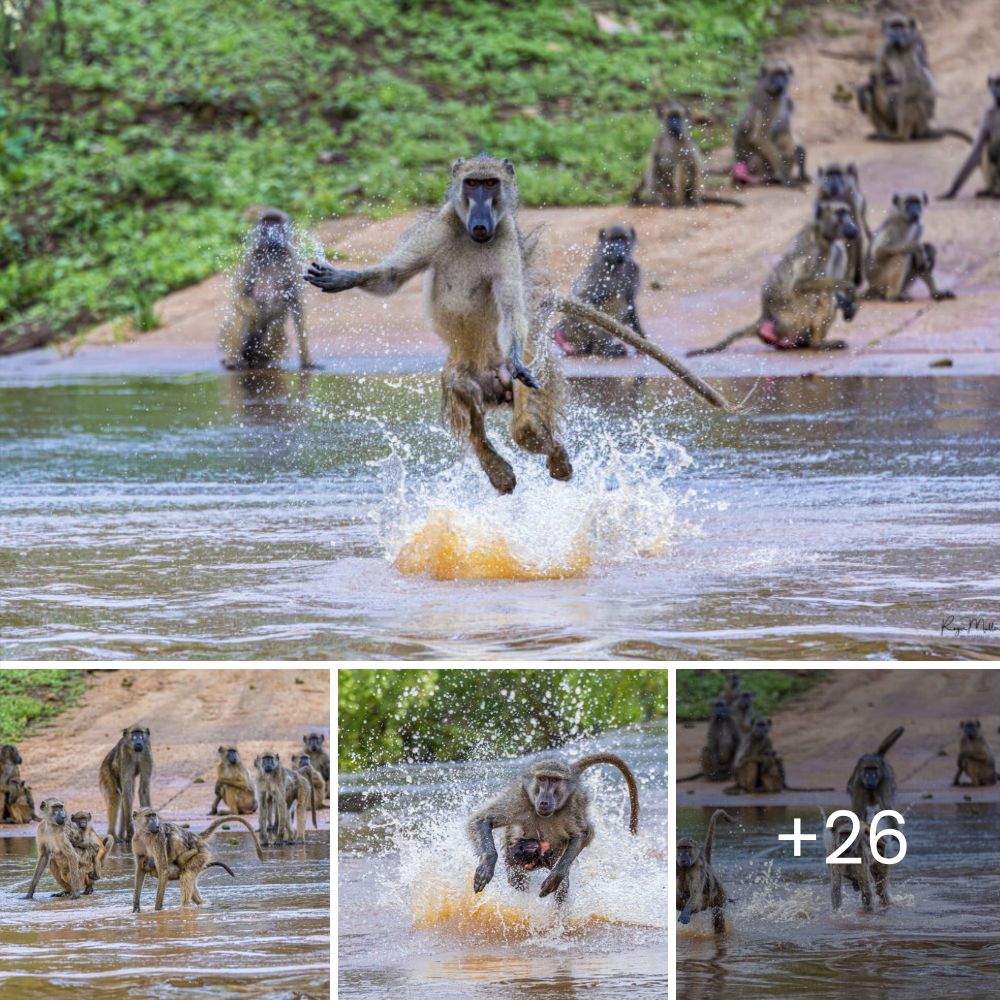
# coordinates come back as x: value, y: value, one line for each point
x: 861, y: 876
x: 698, y: 887
x: 985, y: 152
x: 975, y: 758
x: 233, y: 784
x: 546, y: 822
x: 130, y: 758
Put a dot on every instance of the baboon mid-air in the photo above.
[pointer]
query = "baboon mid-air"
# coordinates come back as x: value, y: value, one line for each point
x: 698, y: 887
x: 130, y: 758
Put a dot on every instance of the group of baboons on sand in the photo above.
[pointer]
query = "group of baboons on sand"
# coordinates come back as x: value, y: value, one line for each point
x: 738, y: 746
x: 487, y: 298
x: 75, y: 853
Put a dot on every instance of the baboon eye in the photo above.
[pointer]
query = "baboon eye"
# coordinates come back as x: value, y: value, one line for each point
x: 490, y: 182
x: 471, y: 182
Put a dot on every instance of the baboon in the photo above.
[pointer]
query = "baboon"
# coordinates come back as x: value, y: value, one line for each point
x: 545, y: 815
x: 837, y: 183
x: 318, y: 756
x: 801, y: 296
x: 764, y: 143
x: 274, y: 825
x: 172, y: 852
x: 56, y: 849
x: 733, y: 688
x: 299, y: 797
x: 610, y: 283
x: 898, y: 257
x: 130, y: 757
x: 757, y: 767
x: 742, y: 711
x: 91, y: 848
x: 872, y: 783
x: 985, y: 150
x: 975, y: 757
x: 698, y: 887
x: 301, y: 762
x: 722, y: 740
x: 266, y: 295
x: 861, y: 876
x: 20, y: 803
x: 10, y: 759
x: 233, y: 783
x: 675, y: 171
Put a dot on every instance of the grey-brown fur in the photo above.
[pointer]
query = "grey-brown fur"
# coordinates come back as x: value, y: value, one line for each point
x: 841, y: 183
x: 318, y: 757
x: 233, y: 783
x: 863, y: 876
x: 57, y: 850
x: 975, y: 758
x: 301, y: 762
x: 985, y: 152
x: 757, y: 767
x: 130, y: 758
x: 274, y: 825
x: 698, y: 887
x: 872, y: 784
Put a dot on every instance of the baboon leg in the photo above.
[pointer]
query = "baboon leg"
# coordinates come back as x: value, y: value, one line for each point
x: 464, y: 406
x: 300, y: 818
x: 188, y: 887
x: 214, y: 811
x: 924, y: 269
x: 836, y: 887
x: 113, y: 801
x: 144, y: 792
x: 161, y: 888
x: 140, y: 877
x: 195, y: 895
x: 882, y: 888
x: 531, y: 432
x: 127, y: 795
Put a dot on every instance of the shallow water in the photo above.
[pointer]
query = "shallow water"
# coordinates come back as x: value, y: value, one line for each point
x: 265, y: 934
x: 275, y: 516
x: 410, y: 925
x: 938, y: 938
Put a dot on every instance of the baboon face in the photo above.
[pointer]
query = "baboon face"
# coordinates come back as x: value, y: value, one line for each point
x: 55, y: 811
x: 842, y: 831
x: 899, y: 31
x: 910, y: 204
x: 674, y: 118
x: 314, y: 742
x: 834, y: 218
x: 482, y: 191
x: 268, y: 762
x: 146, y: 819
x: 720, y: 710
x: 971, y: 728
x: 300, y: 761
x: 775, y: 77
x: 688, y: 853
x: 761, y: 728
x: 871, y: 772
x: 82, y: 820
x: 229, y: 755
x: 745, y: 701
x: 545, y: 785
x: 273, y: 230
x: 137, y: 737
x: 9, y: 753
x: 836, y: 182
x: 616, y: 245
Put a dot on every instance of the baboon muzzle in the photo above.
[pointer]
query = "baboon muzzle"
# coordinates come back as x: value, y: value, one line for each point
x: 231, y: 757
x: 268, y: 765
x: 480, y: 224
x: 153, y: 824
x: 674, y: 125
x: 849, y: 230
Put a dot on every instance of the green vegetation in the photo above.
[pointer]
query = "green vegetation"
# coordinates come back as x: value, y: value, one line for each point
x: 697, y: 689
x: 29, y: 695
x: 134, y: 135
x: 388, y: 716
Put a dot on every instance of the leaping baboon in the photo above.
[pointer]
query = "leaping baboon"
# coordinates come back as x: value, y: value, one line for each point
x: 546, y: 821
x: 985, y: 151
x: 975, y: 757
x: 130, y: 757
x: 872, y: 784
x: 698, y: 887
x: 57, y: 850
x: 319, y: 758
x: 233, y: 784
x: 861, y: 876
x: 839, y: 183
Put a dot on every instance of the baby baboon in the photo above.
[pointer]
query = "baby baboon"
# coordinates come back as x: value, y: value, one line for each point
x: 232, y: 784
x: 698, y: 888
x: 898, y: 257
x: 872, y: 784
x: 130, y: 757
x: 172, y: 852
x: 764, y: 143
x: 675, y: 171
x: 91, y: 848
x: 801, y: 296
x: 975, y: 757
x: 545, y: 815
x: 267, y: 293
x: 56, y: 849
x: 837, y: 183
x: 757, y: 767
x: 860, y: 876
x: 318, y: 756
x: 301, y: 762
x: 609, y: 283
x: 273, y: 825
x: 985, y: 151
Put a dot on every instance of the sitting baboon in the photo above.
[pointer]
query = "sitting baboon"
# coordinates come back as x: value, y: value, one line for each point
x: 266, y: 295
x: 301, y: 762
x: 837, y: 183
x: 764, y: 142
x: 733, y: 688
x: 698, y: 887
x: 898, y: 257
x: 233, y: 784
x: 546, y: 821
x: 130, y: 757
x: 10, y: 772
x: 610, y: 283
x: 171, y: 852
x: 57, y: 850
x: 985, y: 150
x: 975, y: 757
x: 757, y: 767
x: 91, y: 848
x: 872, y: 784
x: 20, y: 803
x: 319, y: 758
x: 803, y: 292
x: 861, y: 876
x: 722, y: 740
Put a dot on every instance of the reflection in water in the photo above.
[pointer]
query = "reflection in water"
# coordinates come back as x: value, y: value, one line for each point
x: 267, y: 396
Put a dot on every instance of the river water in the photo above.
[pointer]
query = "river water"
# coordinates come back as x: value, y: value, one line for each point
x: 288, y: 516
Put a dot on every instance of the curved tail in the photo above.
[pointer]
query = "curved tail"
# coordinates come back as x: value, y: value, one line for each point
x: 692, y: 777
x: 615, y: 761
x: 219, y: 864
x: 718, y: 814
x: 883, y: 747
x: 215, y: 824
x: 745, y: 331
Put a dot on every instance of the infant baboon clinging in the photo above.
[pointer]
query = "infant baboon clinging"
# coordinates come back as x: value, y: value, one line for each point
x: 233, y: 784
x: 319, y: 758
x: 57, y: 850
x: 861, y: 876
x: 698, y: 888
x: 872, y: 784
x: 838, y: 183
x: 803, y: 292
x: 301, y: 762
x: 545, y: 816
x: 266, y: 295
x: 130, y: 757
x: 975, y: 757
x: 985, y: 151
x: 91, y: 848
x: 898, y: 257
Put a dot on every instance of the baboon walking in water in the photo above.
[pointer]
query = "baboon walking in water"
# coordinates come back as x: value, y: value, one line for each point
x: 698, y: 888
x: 57, y: 850
x: 861, y: 876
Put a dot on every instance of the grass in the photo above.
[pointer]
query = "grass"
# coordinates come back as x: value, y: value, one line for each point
x: 697, y: 689
x: 28, y: 696
x: 134, y: 137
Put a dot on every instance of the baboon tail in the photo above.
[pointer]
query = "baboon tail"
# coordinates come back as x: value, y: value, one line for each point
x: 957, y: 133
x: 588, y: 314
x: 883, y: 747
x: 229, y: 818
x: 615, y: 761
x: 219, y: 864
x: 745, y: 331
x: 718, y: 814
x: 692, y: 777
x: 312, y: 802
x: 108, y: 841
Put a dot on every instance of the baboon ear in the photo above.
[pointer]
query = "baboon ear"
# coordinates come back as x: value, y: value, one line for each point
x: 135, y: 814
x: 305, y: 739
x: 455, y: 166
x: 125, y: 731
x: 912, y: 22
x: 219, y: 750
x: 895, y: 200
x: 763, y: 71
x: 322, y: 738
x: 508, y: 166
x: 790, y: 68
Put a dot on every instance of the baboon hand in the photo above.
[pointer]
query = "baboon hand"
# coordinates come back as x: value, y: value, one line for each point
x: 484, y: 872
x: 551, y: 883
x: 522, y: 373
x: 944, y: 294
x: 327, y: 278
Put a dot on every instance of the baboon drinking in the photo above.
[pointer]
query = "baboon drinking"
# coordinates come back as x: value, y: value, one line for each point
x: 233, y: 784
x: 301, y: 762
x: 56, y: 849
x: 898, y: 257
x: 975, y: 757
x: 546, y: 821
x: 319, y: 758
x: 861, y: 876
x: 698, y: 887
x: 801, y: 296
x: 985, y: 150
x: 92, y: 848
x: 266, y: 294
x: 130, y: 757
x: 872, y: 784
x: 839, y: 183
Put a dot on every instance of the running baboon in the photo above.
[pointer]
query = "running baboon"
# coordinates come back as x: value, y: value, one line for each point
x: 172, y: 852
x: 985, y: 151
x: 318, y: 756
x: 803, y: 292
x: 675, y: 171
x: 872, y: 783
x: 266, y: 295
x: 299, y: 797
x: 274, y: 825
x: 301, y: 762
x: 861, y: 876
x: 609, y: 283
x: 56, y: 849
x: 837, y: 183
x: 545, y: 815
x: 975, y: 757
x: 233, y: 784
x: 757, y: 767
x: 764, y: 143
x: 898, y: 257
x: 698, y: 887
x: 131, y: 756
x: 20, y: 803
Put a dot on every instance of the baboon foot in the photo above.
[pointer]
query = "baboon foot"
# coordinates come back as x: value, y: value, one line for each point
x: 986, y: 193
x: 943, y: 294
x: 58, y: 895
x: 500, y: 474
x: 559, y: 464
x: 89, y: 891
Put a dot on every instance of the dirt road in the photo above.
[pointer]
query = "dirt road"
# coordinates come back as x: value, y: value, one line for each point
x: 822, y: 734
x: 189, y: 713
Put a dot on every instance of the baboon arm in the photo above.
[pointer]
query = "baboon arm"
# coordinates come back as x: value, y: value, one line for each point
x: 632, y: 319
x: 823, y: 284
x: 508, y: 293
x: 43, y: 860
x: 481, y: 831
x: 413, y: 253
